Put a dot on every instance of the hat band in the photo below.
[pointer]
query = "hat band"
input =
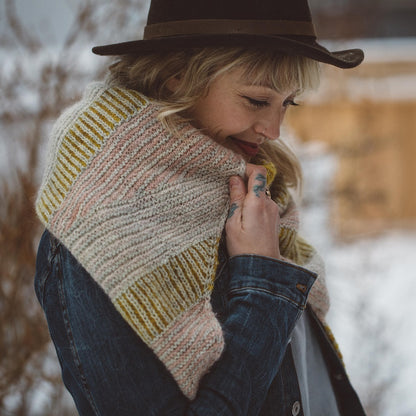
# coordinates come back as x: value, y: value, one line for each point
x: 224, y: 27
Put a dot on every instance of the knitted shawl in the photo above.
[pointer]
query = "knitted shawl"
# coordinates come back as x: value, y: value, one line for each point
x: 143, y: 210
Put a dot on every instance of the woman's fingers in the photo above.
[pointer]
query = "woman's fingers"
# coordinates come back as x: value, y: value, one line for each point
x: 253, y: 220
x: 237, y: 196
x: 257, y: 180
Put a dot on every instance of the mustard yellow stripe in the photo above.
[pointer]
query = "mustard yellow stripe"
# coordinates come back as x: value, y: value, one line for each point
x: 60, y: 167
x: 209, y: 272
x: 155, y: 305
x: 140, y: 305
x: 166, y: 272
x: 271, y: 171
x: 73, y: 154
x: 178, y: 301
x: 85, y: 135
x: 45, y: 205
x: 158, y: 294
x: 59, y: 179
x: 195, y: 282
x: 185, y: 278
x: 53, y: 181
x: 103, y: 119
x: 200, y: 262
x: 76, y: 149
x: 77, y: 168
x: 200, y: 253
x: 210, y: 285
x: 107, y: 110
x: 184, y: 275
x: 40, y: 209
x: 80, y: 144
x: 116, y: 108
x: 66, y: 168
x: 133, y: 319
x: 84, y: 139
x: 42, y: 213
x: 51, y: 197
x: 120, y: 103
x: 98, y: 125
x: 127, y: 97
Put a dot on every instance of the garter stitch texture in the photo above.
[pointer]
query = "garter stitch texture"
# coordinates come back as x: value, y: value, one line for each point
x: 143, y: 212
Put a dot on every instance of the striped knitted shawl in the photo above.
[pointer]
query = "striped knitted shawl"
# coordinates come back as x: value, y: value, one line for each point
x: 143, y: 212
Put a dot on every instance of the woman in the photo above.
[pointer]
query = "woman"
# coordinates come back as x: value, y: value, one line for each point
x: 171, y: 272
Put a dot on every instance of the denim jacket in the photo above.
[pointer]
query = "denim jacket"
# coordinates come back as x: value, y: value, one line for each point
x: 110, y: 371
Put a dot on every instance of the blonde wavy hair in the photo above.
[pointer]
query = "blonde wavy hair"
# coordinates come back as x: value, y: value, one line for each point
x: 197, y: 68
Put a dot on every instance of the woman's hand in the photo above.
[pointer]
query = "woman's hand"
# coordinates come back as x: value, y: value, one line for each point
x: 253, y: 221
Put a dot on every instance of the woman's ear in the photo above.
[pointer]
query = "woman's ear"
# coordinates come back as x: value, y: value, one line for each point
x: 173, y: 83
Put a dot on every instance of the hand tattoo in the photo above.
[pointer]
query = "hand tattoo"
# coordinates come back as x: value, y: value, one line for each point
x: 260, y: 188
x: 233, y: 207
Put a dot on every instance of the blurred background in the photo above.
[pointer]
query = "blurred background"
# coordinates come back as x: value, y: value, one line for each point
x: 355, y: 136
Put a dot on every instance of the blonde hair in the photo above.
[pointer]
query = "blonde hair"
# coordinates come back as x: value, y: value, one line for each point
x: 197, y: 68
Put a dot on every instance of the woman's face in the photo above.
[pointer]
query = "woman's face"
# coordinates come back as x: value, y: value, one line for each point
x: 239, y: 115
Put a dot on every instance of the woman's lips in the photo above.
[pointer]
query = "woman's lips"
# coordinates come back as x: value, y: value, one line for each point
x: 250, y: 149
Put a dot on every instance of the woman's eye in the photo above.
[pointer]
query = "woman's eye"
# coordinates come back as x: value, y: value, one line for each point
x: 257, y: 103
x: 289, y: 102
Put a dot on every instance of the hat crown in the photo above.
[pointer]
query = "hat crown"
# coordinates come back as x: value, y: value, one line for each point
x: 181, y: 10
x: 277, y: 25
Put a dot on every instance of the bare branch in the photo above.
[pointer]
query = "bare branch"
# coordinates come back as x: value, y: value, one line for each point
x: 24, y: 38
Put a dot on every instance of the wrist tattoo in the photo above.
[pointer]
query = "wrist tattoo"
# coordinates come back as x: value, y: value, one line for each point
x: 260, y: 188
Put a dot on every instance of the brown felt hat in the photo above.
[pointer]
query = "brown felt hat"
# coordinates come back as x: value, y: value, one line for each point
x: 280, y: 25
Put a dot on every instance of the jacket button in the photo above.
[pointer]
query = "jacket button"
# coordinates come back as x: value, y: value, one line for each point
x: 296, y: 408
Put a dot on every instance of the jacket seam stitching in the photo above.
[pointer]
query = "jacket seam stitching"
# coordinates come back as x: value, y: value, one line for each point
x: 71, y: 340
x: 276, y: 295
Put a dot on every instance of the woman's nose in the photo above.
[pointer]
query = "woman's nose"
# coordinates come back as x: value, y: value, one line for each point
x: 269, y: 127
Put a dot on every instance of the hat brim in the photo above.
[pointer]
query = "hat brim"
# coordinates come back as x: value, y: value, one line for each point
x: 295, y: 45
